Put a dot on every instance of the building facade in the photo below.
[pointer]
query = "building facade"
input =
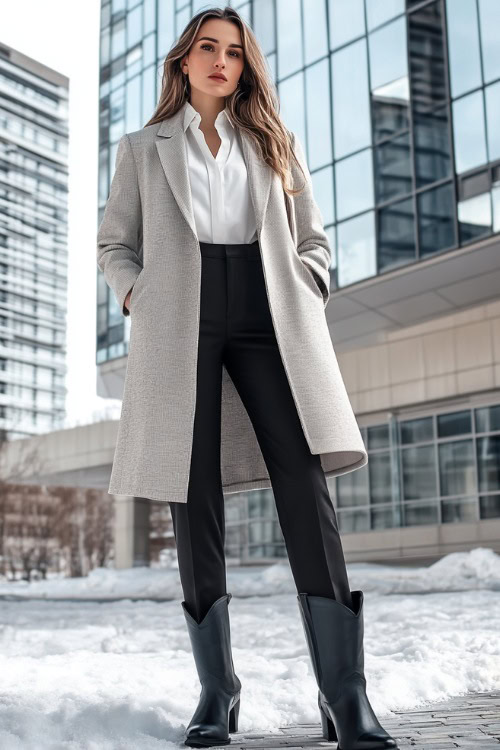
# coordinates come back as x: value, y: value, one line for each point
x: 33, y: 245
x: 397, y: 104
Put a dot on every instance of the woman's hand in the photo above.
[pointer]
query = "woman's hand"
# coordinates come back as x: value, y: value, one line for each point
x: 127, y: 300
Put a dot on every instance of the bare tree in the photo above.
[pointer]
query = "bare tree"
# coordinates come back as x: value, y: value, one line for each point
x: 52, y: 528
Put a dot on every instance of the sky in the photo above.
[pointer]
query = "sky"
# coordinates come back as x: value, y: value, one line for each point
x: 64, y: 35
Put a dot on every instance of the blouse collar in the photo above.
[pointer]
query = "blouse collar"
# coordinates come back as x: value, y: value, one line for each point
x: 190, y: 114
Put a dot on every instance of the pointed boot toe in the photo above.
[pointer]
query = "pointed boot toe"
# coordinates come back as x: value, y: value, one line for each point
x: 200, y: 735
x: 378, y: 739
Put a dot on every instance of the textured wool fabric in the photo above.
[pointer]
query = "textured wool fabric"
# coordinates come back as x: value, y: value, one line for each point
x: 147, y: 240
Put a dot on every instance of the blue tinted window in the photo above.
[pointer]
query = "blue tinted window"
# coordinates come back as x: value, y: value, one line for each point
x: 396, y: 235
x: 133, y: 118
x: 315, y: 30
x: 148, y: 92
x: 427, y: 44
x: 419, y: 472
x: 489, y: 24
x: 474, y: 217
x: 319, y: 140
x: 347, y: 21
x: 356, y: 249
x: 393, y: 168
x: 436, y: 219
x: 165, y: 26
x: 149, y: 50
x: 292, y: 109
x: 379, y: 467
x: 488, y: 419
x: 149, y: 16
x: 378, y: 13
x: 456, y: 423
x: 118, y: 39
x: 489, y: 506
x: 417, y: 430
x: 488, y: 463
x: 378, y: 436
x: 117, y: 114
x: 469, y: 132
x: 354, y: 184
x: 134, y: 27
x: 492, y: 96
x: 352, y: 488
x: 388, y: 54
x: 463, y: 46
x: 289, y: 37
x: 323, y: 193
x: 350, y: 99
x: 390, y: 109
x: 263, y: 24
x: 432, y: 146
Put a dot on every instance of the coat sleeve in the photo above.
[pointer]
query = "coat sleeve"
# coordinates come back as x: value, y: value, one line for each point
x: 312, y: 241
x: 119, y: 238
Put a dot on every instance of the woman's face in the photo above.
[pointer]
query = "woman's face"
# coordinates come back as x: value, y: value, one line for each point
x: 217, y: 48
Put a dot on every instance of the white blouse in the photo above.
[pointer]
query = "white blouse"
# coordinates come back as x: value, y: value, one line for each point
x: 222, y: 204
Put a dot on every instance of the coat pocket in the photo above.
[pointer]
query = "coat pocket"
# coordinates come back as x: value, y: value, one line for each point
x: 135, y: 290
x: 313, y: 281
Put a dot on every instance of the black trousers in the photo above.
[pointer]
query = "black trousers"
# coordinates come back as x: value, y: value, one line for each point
x: 236, y: 329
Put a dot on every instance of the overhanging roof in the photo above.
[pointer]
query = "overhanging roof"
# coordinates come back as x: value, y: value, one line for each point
x: 360, y: 314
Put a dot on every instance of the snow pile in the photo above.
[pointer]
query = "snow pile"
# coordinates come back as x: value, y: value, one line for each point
x: 113, y: 675
x: 458, y: 571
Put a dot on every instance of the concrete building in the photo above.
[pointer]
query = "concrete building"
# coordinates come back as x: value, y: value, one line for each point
x: 398, y: 105
x: 33, y: 245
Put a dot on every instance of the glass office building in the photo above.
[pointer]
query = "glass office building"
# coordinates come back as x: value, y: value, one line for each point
x: 33, y: 245
x: 398, y: 107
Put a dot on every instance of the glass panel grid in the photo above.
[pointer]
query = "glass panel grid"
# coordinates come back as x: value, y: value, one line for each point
x: 463, y: 445
x: 428, y: 49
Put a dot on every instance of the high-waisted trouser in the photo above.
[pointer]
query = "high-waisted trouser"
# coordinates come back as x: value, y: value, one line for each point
x: 236, y: 329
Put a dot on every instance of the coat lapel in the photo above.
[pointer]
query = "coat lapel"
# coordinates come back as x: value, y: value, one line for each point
x: 172, y: 152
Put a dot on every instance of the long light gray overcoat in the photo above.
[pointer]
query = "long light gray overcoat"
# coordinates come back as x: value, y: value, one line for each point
x: 147, y: 239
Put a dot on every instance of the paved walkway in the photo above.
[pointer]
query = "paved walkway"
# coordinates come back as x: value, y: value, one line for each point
x: 471, y: 721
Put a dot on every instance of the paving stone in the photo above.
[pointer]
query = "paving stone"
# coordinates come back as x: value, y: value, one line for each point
x: 465, y: 722
x: 439, y: 745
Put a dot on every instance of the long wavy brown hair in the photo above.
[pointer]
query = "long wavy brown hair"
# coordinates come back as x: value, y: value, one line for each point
x: 254, y: 104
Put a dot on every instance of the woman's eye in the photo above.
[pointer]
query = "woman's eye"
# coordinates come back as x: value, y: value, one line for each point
x: 203, y: 46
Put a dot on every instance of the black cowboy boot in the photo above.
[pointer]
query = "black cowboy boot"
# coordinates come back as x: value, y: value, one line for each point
x: 334, y: 635
x: 218, y: 709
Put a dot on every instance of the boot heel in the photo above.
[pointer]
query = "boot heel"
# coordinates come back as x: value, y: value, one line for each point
x: 233, y: 717
x: 327, y: 726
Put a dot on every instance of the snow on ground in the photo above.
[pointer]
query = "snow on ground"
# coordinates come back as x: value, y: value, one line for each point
x: 112, y: 675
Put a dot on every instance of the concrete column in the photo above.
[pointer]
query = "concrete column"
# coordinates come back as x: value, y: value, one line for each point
x: 131, y: 531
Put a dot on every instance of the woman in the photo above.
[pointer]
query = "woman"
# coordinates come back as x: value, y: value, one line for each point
x: 232, y: 383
